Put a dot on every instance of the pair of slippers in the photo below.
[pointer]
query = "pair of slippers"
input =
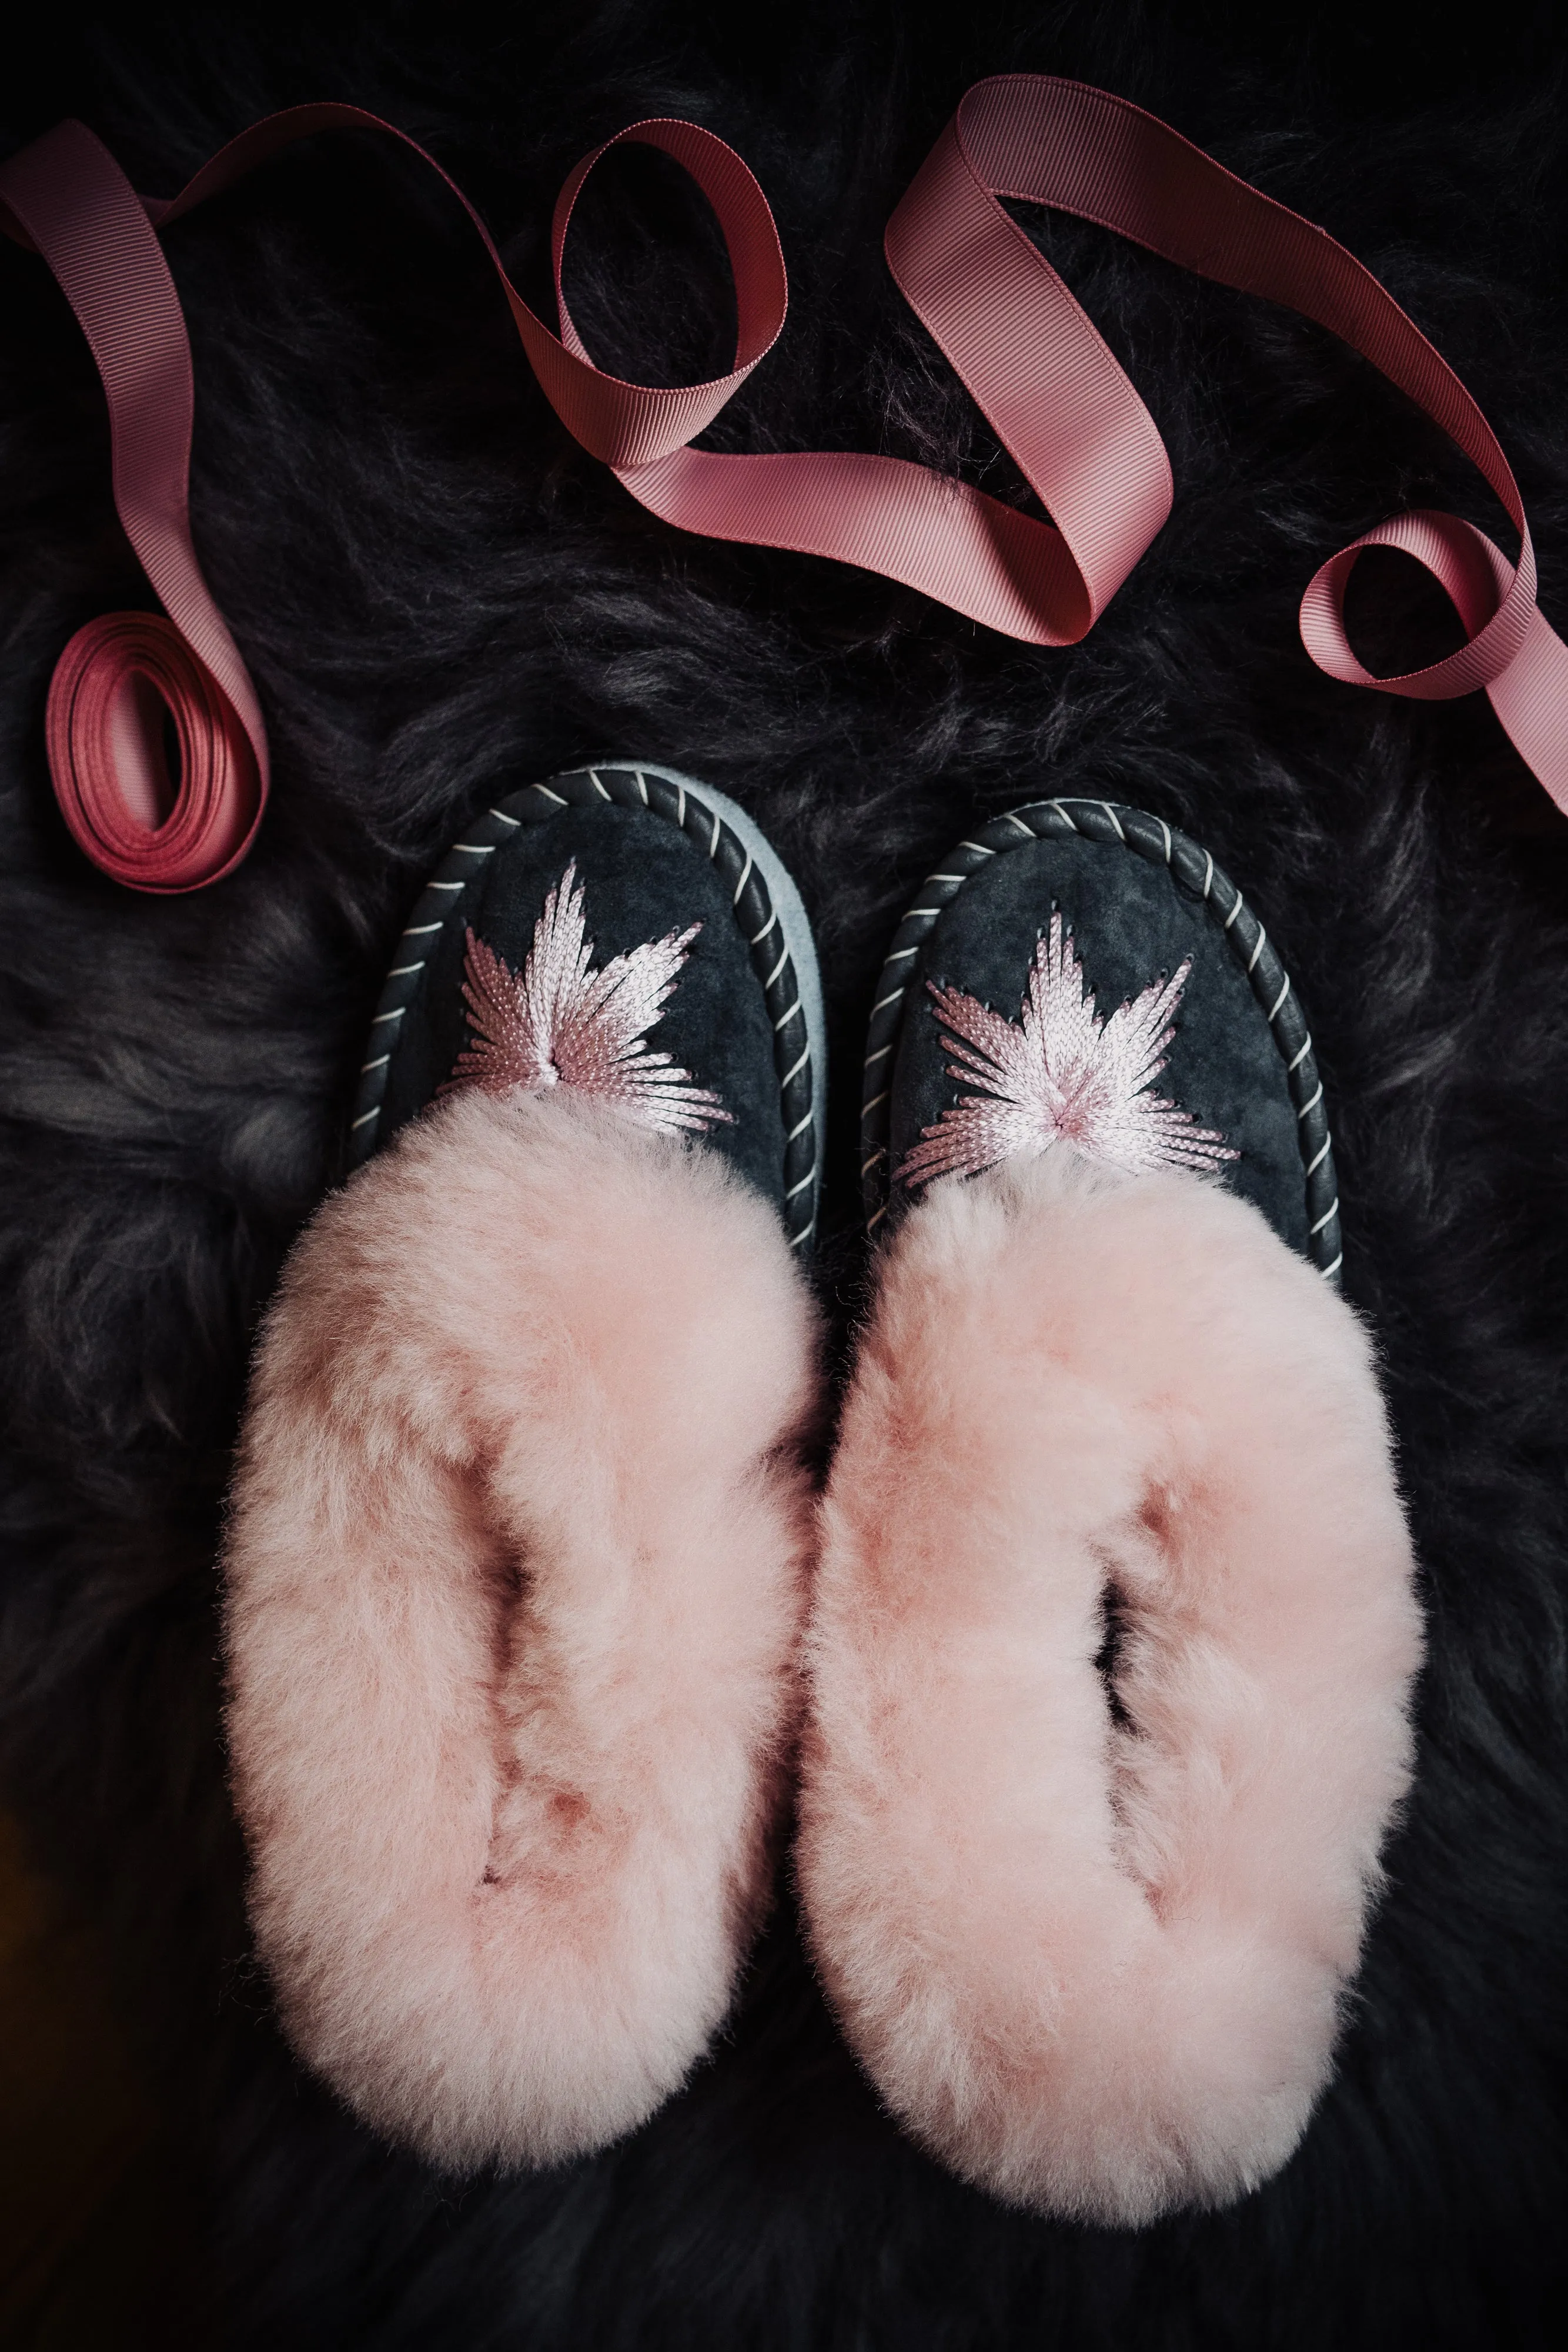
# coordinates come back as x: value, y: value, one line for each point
x: 1089, y: 1672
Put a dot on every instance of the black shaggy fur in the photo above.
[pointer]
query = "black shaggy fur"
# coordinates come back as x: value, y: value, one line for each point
x: 440, y: 596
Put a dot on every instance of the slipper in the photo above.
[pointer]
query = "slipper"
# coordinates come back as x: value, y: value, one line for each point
x: 1114, y: 1627
x: 518, y: 1540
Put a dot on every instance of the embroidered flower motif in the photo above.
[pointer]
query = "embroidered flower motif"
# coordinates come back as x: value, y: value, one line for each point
x: 561, y: 1024
x: 1065, y: 1075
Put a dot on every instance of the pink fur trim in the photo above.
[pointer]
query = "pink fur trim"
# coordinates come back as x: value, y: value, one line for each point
x: 1098, y: 1969
x: 515, y: 1580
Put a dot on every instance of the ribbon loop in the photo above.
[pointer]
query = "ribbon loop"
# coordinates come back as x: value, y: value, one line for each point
x: 630, y: 424
x: 1473, y: 573
x: 744, y: 216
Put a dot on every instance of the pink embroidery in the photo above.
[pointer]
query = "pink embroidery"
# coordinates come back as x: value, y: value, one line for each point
x: 1064, y: 1076
x: 561, y: 1024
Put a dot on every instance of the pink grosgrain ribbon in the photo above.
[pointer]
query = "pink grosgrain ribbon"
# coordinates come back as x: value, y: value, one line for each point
x: 1011, y: 330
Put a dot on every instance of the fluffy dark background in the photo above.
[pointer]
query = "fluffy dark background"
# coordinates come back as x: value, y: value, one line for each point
x: 440, y: 596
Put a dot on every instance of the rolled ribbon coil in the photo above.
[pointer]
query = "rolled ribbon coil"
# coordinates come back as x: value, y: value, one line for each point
x: 105, y: 731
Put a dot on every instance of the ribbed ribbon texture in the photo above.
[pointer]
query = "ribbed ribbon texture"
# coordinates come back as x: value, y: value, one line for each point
x: 1009, y: 327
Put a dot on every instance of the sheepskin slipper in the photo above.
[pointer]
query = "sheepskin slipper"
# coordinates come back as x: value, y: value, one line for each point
x: 515, y: 1567
x: 1114, y: 1627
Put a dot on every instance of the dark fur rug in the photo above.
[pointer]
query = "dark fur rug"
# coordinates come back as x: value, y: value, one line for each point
x: 440, y: 596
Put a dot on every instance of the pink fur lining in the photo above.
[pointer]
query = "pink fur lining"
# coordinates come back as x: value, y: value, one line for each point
x: 1099, y: 1967
x: 514, y: 1579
